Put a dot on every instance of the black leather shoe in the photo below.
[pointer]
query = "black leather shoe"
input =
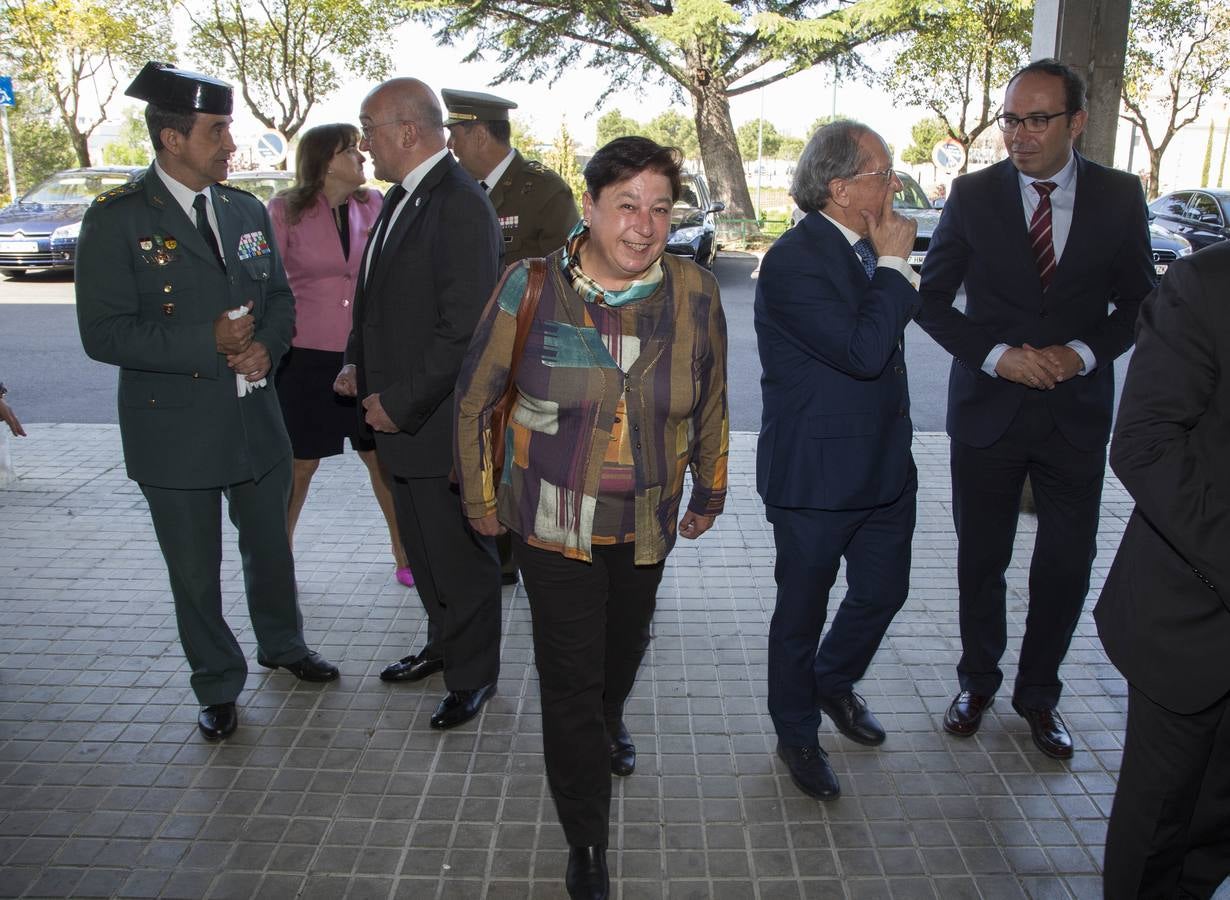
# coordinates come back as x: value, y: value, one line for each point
x: 623, y: 752
x: 1049, y: 732
x: 587, y: 877
x: 217, y: 721
x: 810, y: 770
x: 312, y: 667
x: 459, y: 707
x: 965, y: 713
x: 412, y: 668
x: 850, y: 714
x: 508, y: 577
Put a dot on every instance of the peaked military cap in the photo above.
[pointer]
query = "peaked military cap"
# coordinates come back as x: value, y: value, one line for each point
x: 475, y: 106
x: 164, y: 85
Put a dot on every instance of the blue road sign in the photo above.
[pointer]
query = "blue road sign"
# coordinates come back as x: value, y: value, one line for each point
x: 6, y: 91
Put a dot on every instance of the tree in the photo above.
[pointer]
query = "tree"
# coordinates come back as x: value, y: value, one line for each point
x: 926, y: 133
x: 132, y: 148
x: 562, y: 157
x: 1178, y: 55
x: 286, y: 55
x: 673, y: 129
x: 707, y: 50
x: 751, y: 144
x: 70, y: 47
x: 613, y: 124
x: 962, y: 55
x: 524, y: 139
x: 41, y: 145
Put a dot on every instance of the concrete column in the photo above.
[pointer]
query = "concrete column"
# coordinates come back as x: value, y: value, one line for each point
x: 1091, y: 37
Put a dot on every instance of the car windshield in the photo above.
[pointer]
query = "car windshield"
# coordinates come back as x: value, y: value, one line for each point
x: 910, y: 196
x: 74, y: 187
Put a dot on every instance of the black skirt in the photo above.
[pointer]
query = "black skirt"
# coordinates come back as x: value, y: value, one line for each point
x: 317, y: 419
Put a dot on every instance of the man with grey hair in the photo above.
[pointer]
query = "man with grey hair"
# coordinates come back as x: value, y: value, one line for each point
x: 430, y: 265
x: 833, y: 463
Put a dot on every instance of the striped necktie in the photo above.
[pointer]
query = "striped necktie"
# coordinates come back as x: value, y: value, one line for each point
x: 1040, y: 233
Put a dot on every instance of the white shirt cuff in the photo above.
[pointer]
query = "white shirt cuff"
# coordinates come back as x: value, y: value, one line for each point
x: 992, y: 360
x: 897, y: 264
x: 1086, y: 355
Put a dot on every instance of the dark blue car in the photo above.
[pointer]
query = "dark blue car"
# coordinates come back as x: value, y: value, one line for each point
x: 39, y: 231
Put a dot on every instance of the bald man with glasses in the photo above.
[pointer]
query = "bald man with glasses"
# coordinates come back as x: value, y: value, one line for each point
x: 1053, y: 251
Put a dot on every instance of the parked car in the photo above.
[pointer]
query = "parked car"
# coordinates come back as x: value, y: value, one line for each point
x: 262, y: 183
x: 1167, y: 247
x: 1202, y: 216
x: 694, y: 223
x: 39, y: 230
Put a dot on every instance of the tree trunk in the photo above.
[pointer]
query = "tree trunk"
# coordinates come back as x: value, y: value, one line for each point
x: 81, y: 145
x: 719, y: 148
x: 1155, y: 168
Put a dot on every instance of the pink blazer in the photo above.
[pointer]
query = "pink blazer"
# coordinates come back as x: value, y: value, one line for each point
x: 322, y: 279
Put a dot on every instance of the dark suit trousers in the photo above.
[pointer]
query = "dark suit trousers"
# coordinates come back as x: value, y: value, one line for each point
x: 986, y: 497
x: 810, y: 545
x: 189, y: 528
x: 1169, y: 830
x: 591, y: 629
x: 457, y: 574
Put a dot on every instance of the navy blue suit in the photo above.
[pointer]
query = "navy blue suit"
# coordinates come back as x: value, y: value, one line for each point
x: 1002, y: 431
x: 833, y: 462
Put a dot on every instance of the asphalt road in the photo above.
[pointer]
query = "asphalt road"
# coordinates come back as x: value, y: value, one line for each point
x: 52, y: 380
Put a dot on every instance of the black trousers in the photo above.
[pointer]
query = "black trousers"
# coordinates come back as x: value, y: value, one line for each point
x: 986, y: 494
x: 189, y: 528
x: 810, y: 544
x: 457, y: 574
x: 1169, y: 830
x: 591, y: 629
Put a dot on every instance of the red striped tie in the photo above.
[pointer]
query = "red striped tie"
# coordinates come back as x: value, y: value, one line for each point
x: 1040, y: 233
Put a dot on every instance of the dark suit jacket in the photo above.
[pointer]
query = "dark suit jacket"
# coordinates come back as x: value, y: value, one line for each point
x: 148, y: 292
x: 1164, y: 613
x: 535, y: 207
x: 982, y: 239
x: 416, y: 311
x: 835, y: 430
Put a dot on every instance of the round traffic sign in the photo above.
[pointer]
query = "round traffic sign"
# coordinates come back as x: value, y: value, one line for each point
x: 948, y: 155
x: 271, y: 147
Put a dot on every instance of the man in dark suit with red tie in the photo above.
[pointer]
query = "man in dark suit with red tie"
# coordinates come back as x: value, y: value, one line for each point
x: 1053, y: 251
x: 429, y: 268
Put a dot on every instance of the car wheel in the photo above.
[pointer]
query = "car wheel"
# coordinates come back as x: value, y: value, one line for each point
x: 12, y: 273
x: 704, y: 257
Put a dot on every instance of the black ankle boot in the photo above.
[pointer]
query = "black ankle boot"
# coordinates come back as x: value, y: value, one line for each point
x: 587, y: 877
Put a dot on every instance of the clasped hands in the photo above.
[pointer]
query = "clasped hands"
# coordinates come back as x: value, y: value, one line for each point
x: 691, y: 526
x: 233, y: 337
x: 1040, y: 369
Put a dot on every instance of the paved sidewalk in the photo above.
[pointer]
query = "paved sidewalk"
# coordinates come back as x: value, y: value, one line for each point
x: 342, y: 790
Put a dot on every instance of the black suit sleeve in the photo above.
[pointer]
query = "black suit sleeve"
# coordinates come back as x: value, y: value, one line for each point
x: 1171, y: 386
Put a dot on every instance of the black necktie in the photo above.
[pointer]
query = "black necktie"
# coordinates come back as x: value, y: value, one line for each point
x: 391, y: 200
x: 202, y: 225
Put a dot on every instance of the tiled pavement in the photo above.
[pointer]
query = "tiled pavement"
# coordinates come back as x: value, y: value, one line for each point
x: 343, y: 791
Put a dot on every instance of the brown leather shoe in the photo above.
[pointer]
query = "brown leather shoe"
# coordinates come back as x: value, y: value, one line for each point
x: 1048, y: 730
x: 965, y: 713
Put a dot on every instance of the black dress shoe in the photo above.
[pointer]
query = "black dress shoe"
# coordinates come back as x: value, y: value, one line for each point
x: 508, y: 577
x: 850, y: 714
x: 412, y: 668
x: 587, y: 877
x: 312, y: 667
x: 1049, y: 732
x: 965, y: 712
x: 217, y: 721
x: 459, y: 707
x: 623, y: 752
x: 810, y: 770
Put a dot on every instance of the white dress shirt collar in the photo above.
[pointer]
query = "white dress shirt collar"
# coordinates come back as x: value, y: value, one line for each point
x: 185, y: 196
x: 416, y: 175
x: 494, y: 176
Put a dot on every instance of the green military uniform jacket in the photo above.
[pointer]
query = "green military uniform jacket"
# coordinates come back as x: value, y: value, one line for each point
x: 148, y: 292
x: 536, y: 209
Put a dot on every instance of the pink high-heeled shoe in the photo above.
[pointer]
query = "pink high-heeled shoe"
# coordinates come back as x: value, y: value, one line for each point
x: 405, y: 576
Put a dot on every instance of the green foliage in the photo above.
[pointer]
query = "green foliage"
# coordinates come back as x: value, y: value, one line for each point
x: 132, y: 147
x: 524, y: 139
x: 68, y: 46
x: 775, y: 145
x: 673, y: 129
x: 287, y: 55
x: 613, y: 124
x: 41, y: 146
x: 562, y: 157
x: 925, y: 134
x: 962, y: 56
x: 1178, y: 56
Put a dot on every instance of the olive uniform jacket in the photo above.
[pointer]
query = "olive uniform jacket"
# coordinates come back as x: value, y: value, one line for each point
x: 148, y: 292
x: 536, y: 209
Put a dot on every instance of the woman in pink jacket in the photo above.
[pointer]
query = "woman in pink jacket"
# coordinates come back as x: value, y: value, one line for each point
x: 321, y: 226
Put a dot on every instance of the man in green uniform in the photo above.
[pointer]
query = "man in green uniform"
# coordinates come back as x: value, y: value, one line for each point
x: 180, y: 285
x: 535, y: 206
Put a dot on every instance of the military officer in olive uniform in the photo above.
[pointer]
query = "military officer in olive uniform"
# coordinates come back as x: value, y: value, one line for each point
x: 180, y: 285
x: 535, y: 206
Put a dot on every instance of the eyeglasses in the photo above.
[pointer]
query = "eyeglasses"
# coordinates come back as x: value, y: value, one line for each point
x: 1035, y: 124
x: 366, y: 130
x: 884, y: 175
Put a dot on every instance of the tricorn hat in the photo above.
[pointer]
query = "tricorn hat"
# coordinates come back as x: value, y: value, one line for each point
x: 475, y: 106
x: 164, y: 85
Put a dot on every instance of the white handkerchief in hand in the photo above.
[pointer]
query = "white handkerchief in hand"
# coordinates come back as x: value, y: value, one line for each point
x: 242, y: 386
